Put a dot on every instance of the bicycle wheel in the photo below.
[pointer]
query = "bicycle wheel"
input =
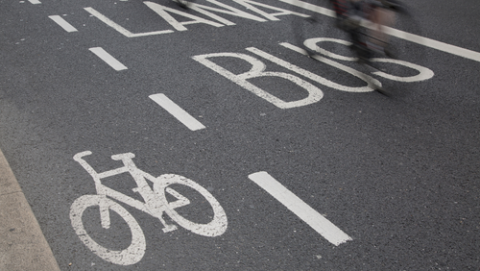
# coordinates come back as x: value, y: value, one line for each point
x: 216, y: 227
x: 405, y: 57
x: 132, y: 254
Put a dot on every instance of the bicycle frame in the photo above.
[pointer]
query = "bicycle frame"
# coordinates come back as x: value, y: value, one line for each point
x: 153, y: 205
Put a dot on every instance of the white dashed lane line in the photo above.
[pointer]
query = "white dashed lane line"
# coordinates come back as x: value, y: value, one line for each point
x: 315, y: 220
x: 177, y: 112
x: 64, y: 24
x: 110, y: 60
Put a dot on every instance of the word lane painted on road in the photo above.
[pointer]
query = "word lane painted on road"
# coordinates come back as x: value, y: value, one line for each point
x: 260, y: 16
x: 119, y: 28
x: 214, y: 20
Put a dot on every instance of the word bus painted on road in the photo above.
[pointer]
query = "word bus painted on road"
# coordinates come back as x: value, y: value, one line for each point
x: 314, y: 93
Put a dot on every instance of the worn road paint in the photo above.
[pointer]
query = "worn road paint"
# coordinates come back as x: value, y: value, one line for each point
x: 315, y: 220
x: 177, y: 112
x: 110, y: 60
x: 64, y: 24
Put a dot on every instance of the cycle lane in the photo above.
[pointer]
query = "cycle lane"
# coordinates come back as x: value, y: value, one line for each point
x: 105, y: 153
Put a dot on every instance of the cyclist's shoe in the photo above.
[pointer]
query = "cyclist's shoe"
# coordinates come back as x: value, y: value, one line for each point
x: 386, y: 49
x: 382, y: 91
x: 392, y: 4
x: 389, y: 51
x: 363, y: 61
x: 364, y: 54
x: 311, y: 20
x: 374, y: 47
x: 182, y: 3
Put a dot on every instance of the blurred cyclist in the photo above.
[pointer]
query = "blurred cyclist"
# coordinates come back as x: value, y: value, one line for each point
x: 351, y: 13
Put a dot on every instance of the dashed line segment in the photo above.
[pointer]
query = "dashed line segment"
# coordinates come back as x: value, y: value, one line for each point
x: 177, y: 112
x: 315, y: 220
x: 109, y: 59
x: 64, y: 24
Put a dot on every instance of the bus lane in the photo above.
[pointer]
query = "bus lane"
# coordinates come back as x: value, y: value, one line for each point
x: 290, y: 151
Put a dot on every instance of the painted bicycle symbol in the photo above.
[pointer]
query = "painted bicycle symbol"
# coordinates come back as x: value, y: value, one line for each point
x: 155, y: 204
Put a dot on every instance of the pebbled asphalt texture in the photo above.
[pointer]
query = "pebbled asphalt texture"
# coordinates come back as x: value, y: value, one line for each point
x: 397, y: 174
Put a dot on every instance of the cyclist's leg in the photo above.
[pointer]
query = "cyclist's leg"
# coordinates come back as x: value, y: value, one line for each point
x: 341, y: 8
x: 352, y: 25
x: 381, y: 17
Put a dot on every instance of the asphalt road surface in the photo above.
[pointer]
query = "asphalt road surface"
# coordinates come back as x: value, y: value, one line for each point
x: 235, y: 151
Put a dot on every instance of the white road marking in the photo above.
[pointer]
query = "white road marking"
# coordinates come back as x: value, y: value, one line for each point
x: 128, y: 256
x: 423, y: 72
x: 177, y: 111
x: 64, y: 24
x: 315, y: 220
x: 441, y: 46
x: 258, y: 70
x: 371, y: 82
x: 120, y: 29
x: 35, y: 2
x: 166, y: 12
x: 110, y: 60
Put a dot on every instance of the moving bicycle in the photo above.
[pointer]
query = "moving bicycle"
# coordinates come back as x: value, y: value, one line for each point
x: 364, y: 21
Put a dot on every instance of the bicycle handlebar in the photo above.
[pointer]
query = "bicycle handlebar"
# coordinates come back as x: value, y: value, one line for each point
x: 118, y: 157
x: 78, y: 157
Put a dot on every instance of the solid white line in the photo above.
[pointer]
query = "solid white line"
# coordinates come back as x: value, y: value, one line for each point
x: 315, y: 220
x: 441, y: 46
x: 64, y: 24
x: 35, y: 2
x: 177, y: 111
x: 110, y: 60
